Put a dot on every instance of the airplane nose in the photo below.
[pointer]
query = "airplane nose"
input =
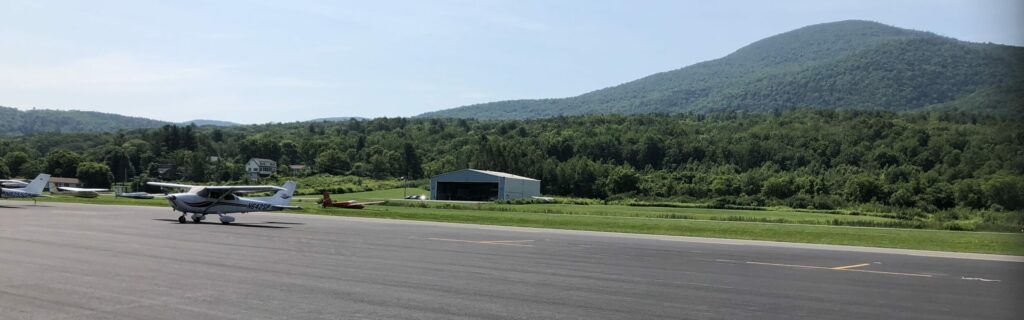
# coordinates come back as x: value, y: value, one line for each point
x: 171, y: 198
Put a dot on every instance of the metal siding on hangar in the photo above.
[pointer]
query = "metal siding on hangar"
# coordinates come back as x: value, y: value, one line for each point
x: 482, y: 185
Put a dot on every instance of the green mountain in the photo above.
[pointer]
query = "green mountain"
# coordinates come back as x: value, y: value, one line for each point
x: 846, y: 64
x: 17, y: 122
x: 207, y: 122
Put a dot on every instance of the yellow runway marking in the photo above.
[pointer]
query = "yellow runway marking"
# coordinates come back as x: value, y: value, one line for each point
x: 851, y: 270
x: 516, y: 243
x: 851, y: 267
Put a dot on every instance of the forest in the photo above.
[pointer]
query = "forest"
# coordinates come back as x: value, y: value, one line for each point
x: 913, y: 163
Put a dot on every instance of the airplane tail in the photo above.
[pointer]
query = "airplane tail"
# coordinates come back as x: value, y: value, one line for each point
x: 37, y: 184
x: 283, y: 197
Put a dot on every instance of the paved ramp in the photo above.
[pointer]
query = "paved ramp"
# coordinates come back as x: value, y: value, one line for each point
x: 67, y: 261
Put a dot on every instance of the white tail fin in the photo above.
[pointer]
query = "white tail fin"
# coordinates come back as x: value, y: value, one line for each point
x: 37, y: 185
x: 283, y: 197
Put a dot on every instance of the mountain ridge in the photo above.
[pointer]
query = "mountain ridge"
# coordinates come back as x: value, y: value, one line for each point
x: 845, y: 64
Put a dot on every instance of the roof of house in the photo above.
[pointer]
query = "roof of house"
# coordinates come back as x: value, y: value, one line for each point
x: 264, y: 162
x: 64, y: 180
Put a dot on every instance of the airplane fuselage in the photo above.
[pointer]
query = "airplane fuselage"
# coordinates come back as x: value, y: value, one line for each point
x: 192, y: 203
x: 9, y: 193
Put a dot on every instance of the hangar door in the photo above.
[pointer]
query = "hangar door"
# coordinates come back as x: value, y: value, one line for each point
x: 467, y: 191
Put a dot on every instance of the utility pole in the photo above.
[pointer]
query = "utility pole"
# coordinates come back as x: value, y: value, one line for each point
x: 404, y: 185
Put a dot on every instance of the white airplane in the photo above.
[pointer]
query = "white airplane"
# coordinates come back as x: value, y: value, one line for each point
x: 133, y: 195
x: 225, y: 200
x: 31, y: 190
x: 78, y: 192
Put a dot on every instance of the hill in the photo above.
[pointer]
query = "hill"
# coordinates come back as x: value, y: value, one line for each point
x: 336, y: 119
x: 17, y: 122
x: 205, y: 122
x: 846, y: 64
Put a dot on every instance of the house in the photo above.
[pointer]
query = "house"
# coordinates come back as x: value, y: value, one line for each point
x: 257, y: 167
x: 57, y: 182
x: 297, y: 169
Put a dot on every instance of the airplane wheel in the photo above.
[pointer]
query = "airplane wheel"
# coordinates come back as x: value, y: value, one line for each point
x: 181, y: 219
x: 224, y: 222
x: 197, y: 219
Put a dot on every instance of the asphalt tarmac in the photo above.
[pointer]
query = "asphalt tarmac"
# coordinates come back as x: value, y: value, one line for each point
x: 68, y: 261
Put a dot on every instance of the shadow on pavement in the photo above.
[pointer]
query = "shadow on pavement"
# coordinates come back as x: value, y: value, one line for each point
x: 233, y: 224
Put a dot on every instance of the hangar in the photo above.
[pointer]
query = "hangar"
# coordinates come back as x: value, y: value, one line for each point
x: 482, y: 185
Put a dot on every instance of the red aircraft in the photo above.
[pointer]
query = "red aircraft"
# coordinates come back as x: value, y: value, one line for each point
x: 351, y: 204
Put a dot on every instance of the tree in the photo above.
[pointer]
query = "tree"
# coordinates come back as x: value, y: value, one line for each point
x: 31, y: 169
x: 13, y: 161
x: 4, y: 172
x: 863, y: 188
x: 94, y: 174
x: 969, y: 193
x: 1006, y: 191
x: 62, y: 163
x: 411, y: 161
x: 622, y: 179
x: 778, y: 187
x: 333, y: 162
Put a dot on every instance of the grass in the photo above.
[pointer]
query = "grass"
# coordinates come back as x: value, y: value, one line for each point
x: 939, y: 240
x: 783, y: 225
x: 102, y: 199
x: 773, y: 216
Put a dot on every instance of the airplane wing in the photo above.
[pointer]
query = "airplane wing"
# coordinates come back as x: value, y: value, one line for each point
x: 369, y: 203
x: 170, y: 185
x: 81, y: 189
x: 244, y: 189
x: 13, y: 183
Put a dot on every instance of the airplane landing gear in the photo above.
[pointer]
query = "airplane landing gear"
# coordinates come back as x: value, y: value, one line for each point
x: 181, y: 219
x: 226, y: 219
x: 198, y: 218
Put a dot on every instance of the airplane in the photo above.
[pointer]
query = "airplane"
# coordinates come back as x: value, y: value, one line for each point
x: 31, y: 190
x: 225, y: 200
x: 133, y: 195
x: 78, y: 192
x: 351, y: 204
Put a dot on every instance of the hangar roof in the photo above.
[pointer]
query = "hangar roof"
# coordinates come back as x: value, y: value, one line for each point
x: 494, y: 173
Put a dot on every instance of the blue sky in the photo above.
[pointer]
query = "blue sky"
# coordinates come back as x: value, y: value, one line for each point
x: 280, y: 61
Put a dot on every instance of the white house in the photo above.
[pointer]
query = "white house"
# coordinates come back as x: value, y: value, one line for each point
x: 257, y: 167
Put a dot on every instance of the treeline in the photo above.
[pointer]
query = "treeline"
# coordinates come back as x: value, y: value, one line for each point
x: 820, y: 159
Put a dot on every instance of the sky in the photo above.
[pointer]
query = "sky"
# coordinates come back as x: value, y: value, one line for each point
x: 283, y: 61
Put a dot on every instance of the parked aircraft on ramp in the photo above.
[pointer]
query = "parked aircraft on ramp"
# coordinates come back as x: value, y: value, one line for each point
x: 32, y: 190
x: 225, y: 200
x: 78, y: 192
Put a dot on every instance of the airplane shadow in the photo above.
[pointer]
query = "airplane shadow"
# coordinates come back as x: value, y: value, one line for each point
x: 9, y: 207
x: 233, y: 224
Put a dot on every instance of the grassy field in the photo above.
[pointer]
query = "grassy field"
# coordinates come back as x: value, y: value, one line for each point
x: 773, y: 216
x: 958, y: 241
x: 774, y: 225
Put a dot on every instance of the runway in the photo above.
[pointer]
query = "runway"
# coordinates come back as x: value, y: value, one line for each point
x: 68, y: 261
